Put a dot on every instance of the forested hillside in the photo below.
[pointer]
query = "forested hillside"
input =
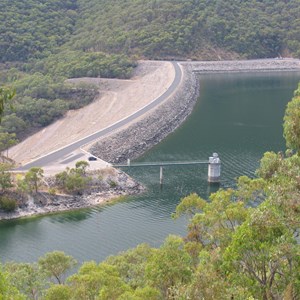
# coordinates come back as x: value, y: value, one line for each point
x: 43, y: 42
x: 30, y: 28
x: 36, y: 63
x: 152, y: 29
x: 190, y: 28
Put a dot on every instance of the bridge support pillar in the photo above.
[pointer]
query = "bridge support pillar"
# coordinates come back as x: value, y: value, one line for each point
x: 128, y: 162
x: 214, y: 169
x: 161, y: 176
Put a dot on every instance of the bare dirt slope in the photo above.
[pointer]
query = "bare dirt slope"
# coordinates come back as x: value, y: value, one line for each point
x: 119, y: 98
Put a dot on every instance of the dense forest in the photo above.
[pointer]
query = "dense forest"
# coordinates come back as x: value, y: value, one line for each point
x: 42, y: 43
x: 241, y: 244
x: 198, y: 29
x: 155, y: 28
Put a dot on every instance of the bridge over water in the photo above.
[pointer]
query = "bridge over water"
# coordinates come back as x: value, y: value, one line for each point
x: 214, y: 166
x: 161, y: 164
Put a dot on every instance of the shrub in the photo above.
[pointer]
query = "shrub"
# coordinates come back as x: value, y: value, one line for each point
x: 112, y: 184
x: 8, y: 204
x: 52, y: 191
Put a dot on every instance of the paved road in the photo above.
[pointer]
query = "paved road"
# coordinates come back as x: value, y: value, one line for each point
x: 60, y: 153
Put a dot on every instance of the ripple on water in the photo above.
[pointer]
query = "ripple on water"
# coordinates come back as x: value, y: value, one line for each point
x: 227, y: 119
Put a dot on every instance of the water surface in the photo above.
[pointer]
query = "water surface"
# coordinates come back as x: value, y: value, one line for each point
x: 237, y: 115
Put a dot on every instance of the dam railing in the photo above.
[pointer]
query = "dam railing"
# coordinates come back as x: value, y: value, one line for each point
x: 214, y: 166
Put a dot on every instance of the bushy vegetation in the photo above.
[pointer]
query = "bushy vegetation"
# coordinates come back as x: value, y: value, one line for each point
x: 152, y: 28
x: 76, y: 63
x: 43, y: 96
x: 80, y: 180
x: 33, y: 28
x: 32, y: 36
x: 189, y: 28
x: 241, y: 244
x: 7, y: 204
x: 74, y: 180
x: 40, y: 100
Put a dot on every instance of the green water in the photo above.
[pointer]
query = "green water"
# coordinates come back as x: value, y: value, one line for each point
x: 237, y: 115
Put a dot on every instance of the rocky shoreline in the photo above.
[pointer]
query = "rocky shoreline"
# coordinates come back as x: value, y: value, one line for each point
x: 142, y: 135
x: 132, y: 142
x: 115, y: 185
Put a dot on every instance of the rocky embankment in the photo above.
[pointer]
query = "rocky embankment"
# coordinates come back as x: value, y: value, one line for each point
x: 144, y: 134
x: 259, y: 65
x: 155, y: 126
x: 106, y: 185
x: 140, y: 136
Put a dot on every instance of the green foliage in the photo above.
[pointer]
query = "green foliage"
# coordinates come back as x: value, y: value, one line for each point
x: 7, y: 204
x: 5, y: 178
x: 6, y: 95
x: 13, y: 124
x: 52, y: 191
x: 58, y: 292
x: 43, y: 96
x: 27, y: 278
x: 31, y: 29
x: 189, y: 205
x: 202, y: 29
x: 131, y: 265
x: 112, y: 184
x: 33, y: 178
x: 7, y: 140
x: 149, y: 28
x: 263, y: 253
x: 40, y: 100
x: 292, y: 123
x: 73, y: 64
x: 81, y: 166
x: 7, y: 290
x: 217, y: 220
x: 169, y: 266
x: 74, y: 180
x: 147, y: 292
x: 56, y: 264
x: 94, y: 280
x: 269, y: 164
x: 208, y: 282
x: 22, y: 186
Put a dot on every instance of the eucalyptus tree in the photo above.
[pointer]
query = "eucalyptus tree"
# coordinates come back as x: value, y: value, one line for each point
x: 292, y: 123
x: 6, y: 95
x: 55, y: 264
x: 33, y: 178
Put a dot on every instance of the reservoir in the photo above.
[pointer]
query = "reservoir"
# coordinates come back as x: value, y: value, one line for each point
x: 237, y: 115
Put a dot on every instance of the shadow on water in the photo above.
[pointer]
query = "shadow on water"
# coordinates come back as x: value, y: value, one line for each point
x: 72, y: 216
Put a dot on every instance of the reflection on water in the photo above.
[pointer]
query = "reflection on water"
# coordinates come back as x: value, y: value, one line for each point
x: 238, y: 115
